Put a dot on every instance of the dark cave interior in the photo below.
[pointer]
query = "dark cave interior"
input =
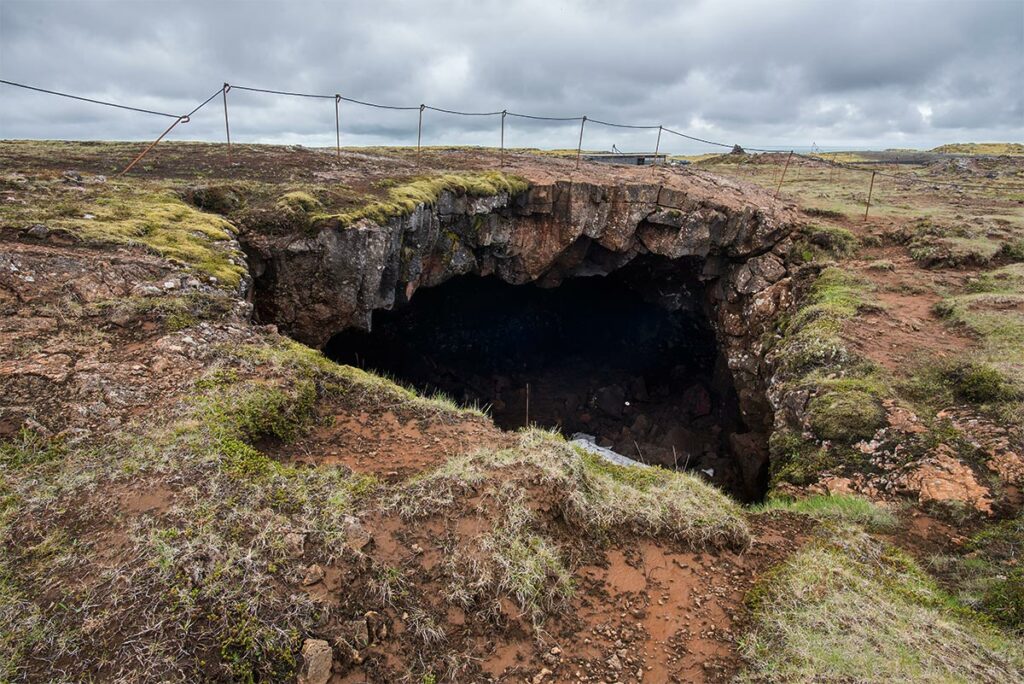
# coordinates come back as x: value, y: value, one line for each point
x: 629, y: 358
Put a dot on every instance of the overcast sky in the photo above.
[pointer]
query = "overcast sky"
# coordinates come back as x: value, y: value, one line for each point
x: 772, y: 73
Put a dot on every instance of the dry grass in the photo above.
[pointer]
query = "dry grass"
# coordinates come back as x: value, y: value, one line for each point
x: 852, y: 609
x: 597, y: 497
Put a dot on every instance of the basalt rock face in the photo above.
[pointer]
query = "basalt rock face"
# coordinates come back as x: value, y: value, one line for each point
x: 314, y: 286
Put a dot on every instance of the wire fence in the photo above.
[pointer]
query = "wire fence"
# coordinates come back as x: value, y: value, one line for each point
x: 661, y: 129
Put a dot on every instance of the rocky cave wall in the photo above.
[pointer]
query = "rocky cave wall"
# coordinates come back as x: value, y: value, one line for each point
x: 312, y: 286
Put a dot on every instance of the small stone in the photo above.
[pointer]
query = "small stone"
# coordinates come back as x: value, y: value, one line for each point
x: 614, y: 663
x: 417, y: 549
x: 356, y: 536
x: 555, y: 651
x: 539, y: 677
x: 38, y: 231
x: 171, y: 284
x: 143, y: 290
x: 376, y: 627
x: 295, y: 544
x: 317, y: 660
x: 314, y: 574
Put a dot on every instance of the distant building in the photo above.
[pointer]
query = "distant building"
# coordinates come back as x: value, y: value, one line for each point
x: 627, y: 158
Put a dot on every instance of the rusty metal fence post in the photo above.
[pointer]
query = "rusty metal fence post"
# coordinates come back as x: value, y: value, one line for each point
x: 657, y: 146
x: 179, y: 120
x: 337, y: 124
x: 504, y: 113
x: 419, y: 134
x: 227, y: 127
x: 778, y: 189
x: 871, y: 188
x: 579, y: 147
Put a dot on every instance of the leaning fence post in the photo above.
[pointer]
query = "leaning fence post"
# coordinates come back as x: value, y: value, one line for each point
x: 657, y: 146
x: 579, y: 147
x: 504, y: 112
x: 870, y: 189
x: 419, y: 133
x: 180, y: 119
x: 783, y: 174
x: 227, y: 128
x: 337, y: 125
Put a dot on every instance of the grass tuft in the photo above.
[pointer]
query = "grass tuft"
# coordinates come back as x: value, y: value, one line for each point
x: 841, y: 508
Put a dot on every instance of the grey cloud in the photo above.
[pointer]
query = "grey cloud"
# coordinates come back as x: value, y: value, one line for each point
x: 783, y: 73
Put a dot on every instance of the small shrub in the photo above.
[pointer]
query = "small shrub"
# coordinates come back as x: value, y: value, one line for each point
x: 978, y: 383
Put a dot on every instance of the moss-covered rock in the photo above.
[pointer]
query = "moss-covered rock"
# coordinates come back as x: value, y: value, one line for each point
x: 845, y: 416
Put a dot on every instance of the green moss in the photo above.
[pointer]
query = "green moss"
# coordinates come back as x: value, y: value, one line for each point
x: 298, y: 200
x: 845, y: 416
x: 797, y: 459
x: 834, y: 241
x: 640, y: 478
x: 137, y: 213
x: 404, y: 198
x: 846, y: 390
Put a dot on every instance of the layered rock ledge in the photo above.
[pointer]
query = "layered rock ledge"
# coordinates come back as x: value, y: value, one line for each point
x: 314, y: 285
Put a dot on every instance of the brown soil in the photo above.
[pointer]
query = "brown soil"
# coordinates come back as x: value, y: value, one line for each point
x: 904, y: 326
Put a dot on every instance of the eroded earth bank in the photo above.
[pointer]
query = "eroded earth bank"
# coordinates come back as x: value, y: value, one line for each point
x: 309, y: 417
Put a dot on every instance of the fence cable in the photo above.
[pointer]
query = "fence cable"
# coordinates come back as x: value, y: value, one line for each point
x: 89, y: 99
x: 821, y: 160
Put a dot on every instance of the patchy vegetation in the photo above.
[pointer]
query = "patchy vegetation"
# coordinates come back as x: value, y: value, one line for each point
x: 201, y: 578
x: 404, y: 197
x: 993, y: 311
x: 121, y: 213
x: 597, y: 497
x: 850, y: 608
x: 844, y: 390
x: 838, y: 508
x: 980, y: 148
x: 990, y: 577
x: 828, y: 240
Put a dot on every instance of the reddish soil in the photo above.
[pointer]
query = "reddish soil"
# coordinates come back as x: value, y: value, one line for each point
x: 390, y: 445
x: 904, y: 327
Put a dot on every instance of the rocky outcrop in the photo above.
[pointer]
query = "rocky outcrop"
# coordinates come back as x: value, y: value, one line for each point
x: 312, y: 286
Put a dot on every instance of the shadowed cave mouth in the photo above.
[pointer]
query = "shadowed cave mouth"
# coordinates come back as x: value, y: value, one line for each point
x: 629, y: 358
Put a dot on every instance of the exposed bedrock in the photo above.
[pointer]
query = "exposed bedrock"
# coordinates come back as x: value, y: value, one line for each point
x: 313, y: 286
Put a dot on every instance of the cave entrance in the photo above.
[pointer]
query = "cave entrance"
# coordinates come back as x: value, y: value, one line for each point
x: 629, y: 358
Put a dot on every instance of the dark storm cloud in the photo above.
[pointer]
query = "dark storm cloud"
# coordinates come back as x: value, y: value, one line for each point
x: 771, y: 73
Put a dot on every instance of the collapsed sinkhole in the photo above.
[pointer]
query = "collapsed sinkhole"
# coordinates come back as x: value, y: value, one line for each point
x: 629, y: 358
